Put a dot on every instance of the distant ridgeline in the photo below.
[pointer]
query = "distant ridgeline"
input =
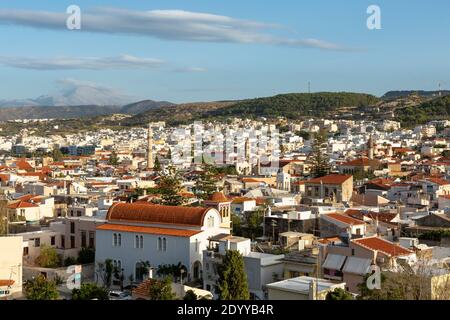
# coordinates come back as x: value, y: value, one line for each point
x: 296, y: 105
x: 392, y: 95
x: 435, y: 109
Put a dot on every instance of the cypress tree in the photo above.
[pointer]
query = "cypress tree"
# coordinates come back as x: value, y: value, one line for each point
x: 232, y: 281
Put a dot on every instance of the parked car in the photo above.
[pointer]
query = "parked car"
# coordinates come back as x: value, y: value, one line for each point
x: 119, y: 295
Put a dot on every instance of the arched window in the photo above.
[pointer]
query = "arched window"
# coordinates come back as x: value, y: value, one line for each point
x: 141, y: 242
x: 164, y: 244
x: 159, y: 244
x: 136, y: 241
x: 119, y: 240
x: 115, y: 239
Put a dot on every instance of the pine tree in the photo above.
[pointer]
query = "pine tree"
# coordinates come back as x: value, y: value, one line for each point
x: 232, y: 281
x: 205, y: 185
x: 170, y: 187
x: 319, y: 159
x: 57, y: 155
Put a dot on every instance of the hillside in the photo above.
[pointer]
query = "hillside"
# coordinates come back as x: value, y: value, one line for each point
x: 297, y: 105
x: 143, y: 106
x: 60, y: 112
x: 177, y: 114
x: 435, y: 109
x: 392, y: 95
x: 293, y: 106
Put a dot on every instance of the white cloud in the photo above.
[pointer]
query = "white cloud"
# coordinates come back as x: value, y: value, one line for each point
x: 164, y: 24
x: 90, y: 63
x: 191, y: 69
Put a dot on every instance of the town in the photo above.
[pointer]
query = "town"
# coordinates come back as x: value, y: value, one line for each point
x: 247, y: 209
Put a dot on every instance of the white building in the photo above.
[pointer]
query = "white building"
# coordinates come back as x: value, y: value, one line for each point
x: 140, y: 233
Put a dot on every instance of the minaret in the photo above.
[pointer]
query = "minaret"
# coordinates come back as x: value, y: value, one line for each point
x: 150, y: 162
x: 247, y: 150
x: 371, y: 148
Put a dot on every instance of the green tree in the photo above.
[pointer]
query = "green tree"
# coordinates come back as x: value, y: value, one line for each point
x: 105, y: 271
x: 48, y: 258
x: 89, y: 291
x: 253, y: 222
x: 161, y: 290
x: 40, y: 289
x: 237, y: 224
x: 190, y: 296
x: 339, y: 294
x: 232, y: 282
x: 170, y: 187
x: 205, y: 184
x: 113, y: 159
x: 86, y: 255
x: 157, y: 165
x: 57, y: 155
x: 318, y: 156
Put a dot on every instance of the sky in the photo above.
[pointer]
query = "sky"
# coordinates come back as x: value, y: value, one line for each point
x: 205, y: 50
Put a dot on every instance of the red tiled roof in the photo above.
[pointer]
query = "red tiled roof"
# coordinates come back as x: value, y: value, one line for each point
x: 23, y: 165
x: 21, y: 204
x: 384, y: 246
x: 331, y: 179
x: 149, y: 230
x: 149, y: 213
x: 218, y: 197
x: 361, y: 162
x: 345, y: 219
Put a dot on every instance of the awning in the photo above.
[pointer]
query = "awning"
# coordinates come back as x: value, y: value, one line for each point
x: 6, y: 283
x: 359, y: 266
x: 334, y: 261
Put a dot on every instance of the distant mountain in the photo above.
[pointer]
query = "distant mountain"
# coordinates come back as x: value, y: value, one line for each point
x: 392, y: 95
x: 143, y: 106
x: 58, y: 112
x: 74, y: 93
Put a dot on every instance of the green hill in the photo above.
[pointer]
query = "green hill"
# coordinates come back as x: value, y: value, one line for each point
x: 296, y: 105
x: 435, y: 109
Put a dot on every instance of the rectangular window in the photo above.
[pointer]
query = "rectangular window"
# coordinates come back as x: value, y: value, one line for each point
x: 25, y: 251
x: 72, y: 227
x: 164, y: 244
x: 91, y: 239
x: 83, y: 239
x: 63, y: 242
x: 72, y: 242
x: 52, y: 240
x: 37, y: 242
x: 141, y: 242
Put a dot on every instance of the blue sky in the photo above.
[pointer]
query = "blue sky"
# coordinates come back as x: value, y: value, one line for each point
x: 410, y: 52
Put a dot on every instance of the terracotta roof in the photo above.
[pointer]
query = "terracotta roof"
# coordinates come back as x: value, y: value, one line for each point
x: 242, y: 199
x: 149, y: 230
x: 218, y: 197
x: 6, y: 283
x: 384, y: 246
x: 22, y: 204
x: 330, y: 240
x: 361, y: 162
x: 23, y: 165
x: 331, y: 179
x: 344, y: 219
x: 149, y: 213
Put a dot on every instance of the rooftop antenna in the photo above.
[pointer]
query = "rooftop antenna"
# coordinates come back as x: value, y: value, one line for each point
x: 440, y: 89
x: 309, y: 87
